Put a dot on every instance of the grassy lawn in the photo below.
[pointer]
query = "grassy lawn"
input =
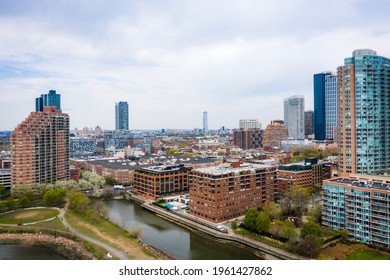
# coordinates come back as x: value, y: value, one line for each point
x: 28, y: 216
x: 108, y: 233
x: 356, y: 251
x: 55, y: 224
x: 367, y: 255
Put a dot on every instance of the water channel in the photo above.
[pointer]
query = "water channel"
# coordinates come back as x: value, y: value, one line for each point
x: 19, y: 252
x: 176, y: 241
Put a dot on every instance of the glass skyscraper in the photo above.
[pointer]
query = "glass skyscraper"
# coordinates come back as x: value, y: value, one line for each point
x: 48, y: 99
x: 121, y: 116
x: 364, y: 97
x: 294, y: 116
x: 325, y: 105
x: 205, y: 122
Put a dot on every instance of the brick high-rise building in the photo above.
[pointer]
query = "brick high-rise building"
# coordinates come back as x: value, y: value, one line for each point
x: 248, y: 138
x: 40, y: 148
x: 227, y: 191
x: 274, y: 132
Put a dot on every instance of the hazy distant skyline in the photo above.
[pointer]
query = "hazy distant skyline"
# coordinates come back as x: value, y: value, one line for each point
x: 173, y: 60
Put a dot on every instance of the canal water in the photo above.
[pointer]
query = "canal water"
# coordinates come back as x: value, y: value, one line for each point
x: 19, y: 252
x: 176, y: 241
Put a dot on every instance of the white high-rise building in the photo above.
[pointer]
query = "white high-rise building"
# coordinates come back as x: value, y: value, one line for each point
x: 250, y: 124
x: 294, y: 116
x: 205, y: 124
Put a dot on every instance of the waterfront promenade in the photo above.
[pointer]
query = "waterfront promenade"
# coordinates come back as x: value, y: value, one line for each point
x: 269, y: 251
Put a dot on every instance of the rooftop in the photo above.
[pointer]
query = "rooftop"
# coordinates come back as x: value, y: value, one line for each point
x: 147, y: 161
x: 383, y: 185
x: 227, y: 168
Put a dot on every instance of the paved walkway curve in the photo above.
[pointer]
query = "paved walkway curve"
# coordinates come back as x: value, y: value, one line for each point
x: 111, y: 250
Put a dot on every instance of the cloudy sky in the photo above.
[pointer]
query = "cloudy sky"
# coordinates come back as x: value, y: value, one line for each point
x: 172, y: 60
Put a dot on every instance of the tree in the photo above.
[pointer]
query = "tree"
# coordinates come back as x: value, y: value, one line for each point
x: 284, y: 229
x: 300, y: 199
x: 20, y: 190
x: 311, y: 228
x: 111, y: 181
x: 344, y: 235
x: 309, y: 245
x: 10, y: 203
x: 315, y: 214
x: 100, y: 208
x: 172, y: 151
x: 289, y: 231
x: 250, y: 219
x: 24, y: 201
x: 68, y: 184
x: 79, y: 202
x: 273, y: 209
x: 85, y: 185
x: 3, y: 190
x: 262, y: 221
x: 54, y: 198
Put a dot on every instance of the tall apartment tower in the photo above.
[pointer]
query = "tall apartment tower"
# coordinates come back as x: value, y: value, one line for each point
x: 121, y: 116
x: 205, y: 122
x: 294, y: 116
x: 48, y: 99
x: 250, y: 124
x: 325, y: 105
x: 40, y: 148
x: 364, y: 120
x: 308, y: 123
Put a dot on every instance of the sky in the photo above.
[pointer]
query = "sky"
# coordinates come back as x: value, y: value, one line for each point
x: 173, y: 60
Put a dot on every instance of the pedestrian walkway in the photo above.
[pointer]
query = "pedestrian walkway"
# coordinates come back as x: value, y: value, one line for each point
x: 211, y: 229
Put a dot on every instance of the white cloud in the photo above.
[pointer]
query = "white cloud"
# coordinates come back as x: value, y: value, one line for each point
x: 172, y: 60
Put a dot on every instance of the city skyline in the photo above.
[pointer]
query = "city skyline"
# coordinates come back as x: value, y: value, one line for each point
x: 174, y: 60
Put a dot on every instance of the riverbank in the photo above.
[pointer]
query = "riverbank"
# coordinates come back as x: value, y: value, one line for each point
x: 268, y: 251
x: 70, y: 249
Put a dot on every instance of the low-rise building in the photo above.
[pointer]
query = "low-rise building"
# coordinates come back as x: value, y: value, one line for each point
x: 157, y: 181
x: 359, y: 204
x: 227, y: 191
x: 307, y: 174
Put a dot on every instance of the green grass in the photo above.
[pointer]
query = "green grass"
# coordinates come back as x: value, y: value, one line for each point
x: 367, y: 255
x: 103, y: 226
x: 28, y: 216
x: 55, y: 224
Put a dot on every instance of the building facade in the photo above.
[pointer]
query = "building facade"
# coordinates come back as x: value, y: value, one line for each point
x: 331, y: 106
x: 205, y: 122
x: 250, y: 124
x: 248, y: 138
x: 308, y: 123
x: 121, y: 116
x: 40, y: 148
x: 48, y: 99
x: 225, y: 192
x: 359, y: 204
x: 157, y: 181
x: 364, y: 122
x: 308, y: 174
x: 275, y: 132
x: 294, y: 116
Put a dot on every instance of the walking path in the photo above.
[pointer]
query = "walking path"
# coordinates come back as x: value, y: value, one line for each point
x: 211, y: 230
x: 110, y: 250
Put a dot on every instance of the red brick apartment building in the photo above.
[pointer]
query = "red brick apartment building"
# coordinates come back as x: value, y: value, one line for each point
x: 40, y: 148
x: 227, y: 191
x: 157, y: 181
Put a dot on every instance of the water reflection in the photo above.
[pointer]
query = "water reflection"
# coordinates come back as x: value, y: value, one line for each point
x: 174, y: 240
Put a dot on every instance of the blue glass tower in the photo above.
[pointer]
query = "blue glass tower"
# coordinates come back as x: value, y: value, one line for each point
x: 121, y: 116
x: 48, y: 99
x: 319, y: 106
x: 325, y: 105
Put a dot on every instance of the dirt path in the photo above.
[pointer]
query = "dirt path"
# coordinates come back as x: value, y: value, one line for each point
x: 129, y: 249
